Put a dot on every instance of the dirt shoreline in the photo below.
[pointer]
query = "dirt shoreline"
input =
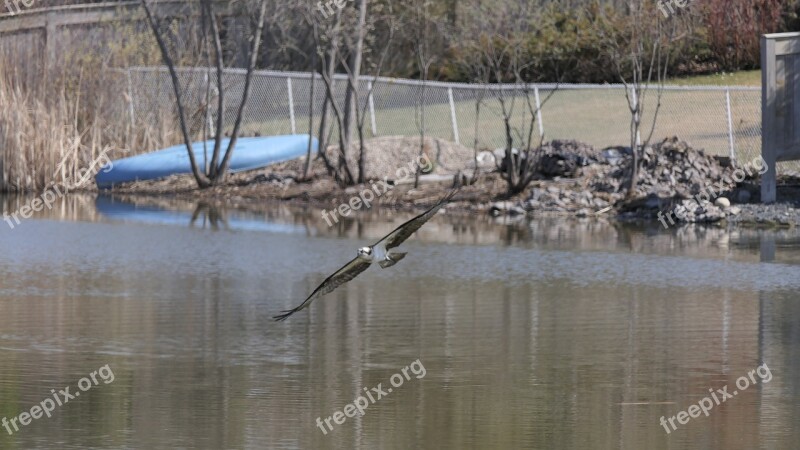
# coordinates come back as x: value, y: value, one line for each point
x: 576, y: 180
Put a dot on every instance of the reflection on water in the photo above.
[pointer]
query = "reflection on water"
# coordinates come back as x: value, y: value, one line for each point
x: 551, y: 334
x: 203, y: 215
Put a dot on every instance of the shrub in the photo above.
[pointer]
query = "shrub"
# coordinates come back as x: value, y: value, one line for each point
x: 733, y: 29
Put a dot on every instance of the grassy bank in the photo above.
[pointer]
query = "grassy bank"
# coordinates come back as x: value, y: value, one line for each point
x: 597, y: 116
x: 742, y: 78
x: 53, y: 125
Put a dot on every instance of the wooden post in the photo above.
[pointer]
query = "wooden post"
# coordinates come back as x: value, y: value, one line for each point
x: 50, y: 39
x: 780, y: 106
x: 769, y: 180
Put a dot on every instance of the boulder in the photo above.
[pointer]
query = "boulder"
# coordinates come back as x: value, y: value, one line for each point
x: 722, y: 202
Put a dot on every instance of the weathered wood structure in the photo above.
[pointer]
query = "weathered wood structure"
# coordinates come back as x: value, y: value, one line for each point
x: 54, y: 29
x: 780, y: 106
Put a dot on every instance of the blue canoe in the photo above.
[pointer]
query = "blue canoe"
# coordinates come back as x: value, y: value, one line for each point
x: 249, y: 154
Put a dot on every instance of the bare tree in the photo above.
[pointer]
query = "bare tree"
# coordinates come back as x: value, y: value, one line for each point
x: 641, y: 58
x: 326, y: 37
x: 353, y: 68
x: 336, y: 49
x: 355, y: 110
x: 476, y: 140
x: 361, y: 107
x: 496, y: 53
x: 326, y: 33
x: 311, y: 102
x: 215, y: 172
x: 424, y: 60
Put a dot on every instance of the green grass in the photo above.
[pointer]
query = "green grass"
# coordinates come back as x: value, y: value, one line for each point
x: 742, y: 78
x: 597, y: 116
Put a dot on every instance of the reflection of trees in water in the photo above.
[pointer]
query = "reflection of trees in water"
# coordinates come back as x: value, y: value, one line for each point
x: 212, y: 217
x: 73, y: 207
x: 552, y: 233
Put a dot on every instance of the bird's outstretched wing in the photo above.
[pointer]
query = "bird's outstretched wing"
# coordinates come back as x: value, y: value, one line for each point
x: 342, y: 276
x: 404, y: 231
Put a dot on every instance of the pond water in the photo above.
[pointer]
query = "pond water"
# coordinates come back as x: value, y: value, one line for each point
x: 491, y: 334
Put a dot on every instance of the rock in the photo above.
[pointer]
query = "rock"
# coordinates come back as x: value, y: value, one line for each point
x: 743, y: 196
x: 508, y: 208
x: 652, y: 202
x: 690, y: 211
x: 566, y: 158
x: 501, y: 206
x: 600, y: 203
x: 516, y: 211
x: 722, y: 202
x: 672, y: 175
x: 487, y: 159
x: 615, y: 155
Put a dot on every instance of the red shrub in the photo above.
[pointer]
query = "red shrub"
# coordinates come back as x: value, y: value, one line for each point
x: 734, y: 28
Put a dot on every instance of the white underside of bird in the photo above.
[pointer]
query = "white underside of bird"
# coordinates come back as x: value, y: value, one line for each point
x: 379, y: 253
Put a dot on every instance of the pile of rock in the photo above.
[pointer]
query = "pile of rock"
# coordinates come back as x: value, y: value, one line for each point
x: 577, y: 180
x: 681, y: 184
x: 566, y: 199
x: 674, y: 178
x: 672, y: 169
x: 566, y: 158
x: 693, y: 211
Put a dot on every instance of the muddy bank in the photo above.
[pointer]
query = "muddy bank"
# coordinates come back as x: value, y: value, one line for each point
x: 390, y: 168
x: 677, y: 184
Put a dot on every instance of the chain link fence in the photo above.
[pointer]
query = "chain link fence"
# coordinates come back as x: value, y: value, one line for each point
x: 724, y: 121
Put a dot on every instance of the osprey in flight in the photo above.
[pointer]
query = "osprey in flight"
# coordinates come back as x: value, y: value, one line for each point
x: 379, y: 253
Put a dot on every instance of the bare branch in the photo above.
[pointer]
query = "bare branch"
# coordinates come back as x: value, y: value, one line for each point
x: 202, y: 180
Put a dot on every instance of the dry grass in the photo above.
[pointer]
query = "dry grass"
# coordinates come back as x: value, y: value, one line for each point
x: 36, y: 135
x: 59, y: 115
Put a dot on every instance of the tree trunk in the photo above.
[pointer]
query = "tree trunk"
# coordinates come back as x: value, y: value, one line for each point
x: 200, y: 178
x: 212, y: 172
x: 247, y: 82
x: 311, y: 117
x: 354, y: 74
x: 324, y: 126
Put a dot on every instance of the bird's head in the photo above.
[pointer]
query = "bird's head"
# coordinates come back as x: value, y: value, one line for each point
x: 365, y: 252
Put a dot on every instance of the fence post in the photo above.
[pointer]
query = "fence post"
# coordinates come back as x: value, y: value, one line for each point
x: 373, y: 122
x: 453, y: 118
x: 730, y: 124
x: 538, y: 110
x: 50, y: 36
x: 291, y: 104
x: 130, y: 100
